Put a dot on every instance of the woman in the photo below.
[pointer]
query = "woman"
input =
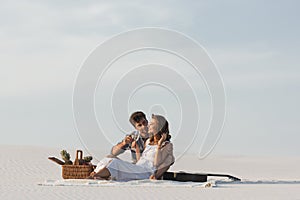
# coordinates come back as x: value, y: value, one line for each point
x: 158, y: 154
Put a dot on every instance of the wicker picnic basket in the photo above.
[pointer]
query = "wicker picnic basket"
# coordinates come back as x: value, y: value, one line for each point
x: 77, y: 170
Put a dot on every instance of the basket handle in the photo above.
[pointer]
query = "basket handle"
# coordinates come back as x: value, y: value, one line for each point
x: 78, y: 157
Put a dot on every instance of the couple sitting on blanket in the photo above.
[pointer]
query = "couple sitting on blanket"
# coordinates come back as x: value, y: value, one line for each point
x: 151, y: 150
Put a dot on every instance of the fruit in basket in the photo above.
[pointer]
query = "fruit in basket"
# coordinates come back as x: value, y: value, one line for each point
x: 87, y: 159
x: 66, y: 157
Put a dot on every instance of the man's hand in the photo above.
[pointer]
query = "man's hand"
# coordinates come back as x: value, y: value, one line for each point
x: 128, y: 139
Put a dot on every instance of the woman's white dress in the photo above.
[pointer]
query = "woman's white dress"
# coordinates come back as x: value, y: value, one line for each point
x: 124, y: 171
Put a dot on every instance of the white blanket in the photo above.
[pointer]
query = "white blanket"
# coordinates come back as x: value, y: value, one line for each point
x: 135, y: 183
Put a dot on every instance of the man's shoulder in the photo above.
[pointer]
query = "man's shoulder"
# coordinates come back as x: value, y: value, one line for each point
x: 167, y: 144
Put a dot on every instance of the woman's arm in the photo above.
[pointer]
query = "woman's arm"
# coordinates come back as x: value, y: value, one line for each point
x: 137, y: 150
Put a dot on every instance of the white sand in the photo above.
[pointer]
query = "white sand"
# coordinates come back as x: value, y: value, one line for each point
x: 22, y: 168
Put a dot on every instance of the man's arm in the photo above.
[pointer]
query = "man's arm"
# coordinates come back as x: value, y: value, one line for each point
x: 118, y: 149
x: 121, y: 146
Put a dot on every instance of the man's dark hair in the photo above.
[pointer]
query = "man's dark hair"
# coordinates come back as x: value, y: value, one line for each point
x: 136, y: 117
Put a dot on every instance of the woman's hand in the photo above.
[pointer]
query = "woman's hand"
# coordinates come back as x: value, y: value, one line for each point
x: 162, y: 139
x: 152, y: 177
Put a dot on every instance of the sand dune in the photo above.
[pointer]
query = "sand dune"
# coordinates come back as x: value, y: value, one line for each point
x: 24, y: 168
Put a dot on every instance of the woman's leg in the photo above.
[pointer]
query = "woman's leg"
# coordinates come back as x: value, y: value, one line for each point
x: 102, y: 174
x: 100, y: 169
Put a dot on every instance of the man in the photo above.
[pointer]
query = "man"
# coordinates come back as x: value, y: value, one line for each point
x: 135, y: 145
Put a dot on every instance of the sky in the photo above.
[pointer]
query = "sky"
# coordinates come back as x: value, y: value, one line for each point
x: 255, y: 45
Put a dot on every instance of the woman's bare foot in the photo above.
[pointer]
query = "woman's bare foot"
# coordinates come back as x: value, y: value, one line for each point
x: 91, y: 176
x: 93, y: 173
